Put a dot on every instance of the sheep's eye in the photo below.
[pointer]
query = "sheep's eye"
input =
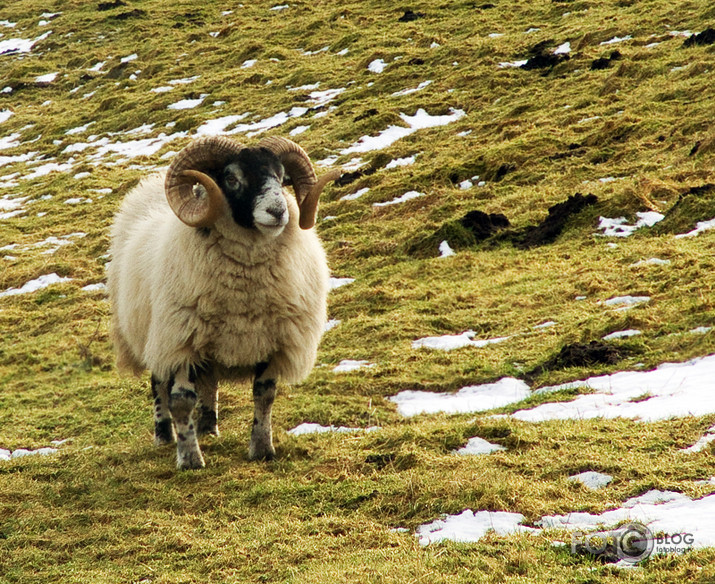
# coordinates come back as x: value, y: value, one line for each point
x: 231, y: 181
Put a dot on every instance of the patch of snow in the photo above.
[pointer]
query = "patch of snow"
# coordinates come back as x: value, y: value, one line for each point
x: 376, y: 66
x: 451, y: 342
x: 626, y: 302
x: 353, y: 164
x: 97, y: 67
x: 21, y: 45
x: 22, y: 452
x: 444, y: 249
x: 622, y: 334
x: 477, y: 446
x: 701, y: 330
x: 348, y: 365
x: 674, y: 390
x: 280, y: 7
x: 331, y: 324
x: 421, y: 120
x: 700, y: 227
x: 513, y: 64
x: 55, y: 243
x: 547, y: 324
x: 5, y: 160
x: 248, y: 63
x: 650, y: 262
x: 397, y: 162
x: 401, y: 199
x: 563, y: 49
x: 218, y: 126
x: 99, y: 287
x: 129, y: 58
x: 338, y: 282
x: 11, y: 141
x: 5, y: 115
x: 470, y: 526
x: 620, y: 228
x: 187, y: 103
x: 78, y: 129
x: 184, y: 81
x: 702, y: 443
x: 298, y: 130
x: 35, y: 285
x: 475, y: 398
x: 48, y: 167
x: 356, y: 195
x: 310, y: 428
x: 47, y: 78
x: 420, y: 87
x: 660, y: 511
x: 308, y: 87
x: 320, y: 98
x: 329, y: 161
x: 615, y: 40
x: 592, y: 480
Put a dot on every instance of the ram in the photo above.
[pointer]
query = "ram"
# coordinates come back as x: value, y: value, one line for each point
x: 218, y: 275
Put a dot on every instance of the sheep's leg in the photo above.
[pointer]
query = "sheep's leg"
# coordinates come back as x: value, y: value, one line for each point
x: 163, y: 426
x: 207, y: 389
x: 182, y: 402
x: 264, y: 392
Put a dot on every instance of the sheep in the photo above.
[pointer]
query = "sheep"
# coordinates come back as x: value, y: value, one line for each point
x: 217, y: 275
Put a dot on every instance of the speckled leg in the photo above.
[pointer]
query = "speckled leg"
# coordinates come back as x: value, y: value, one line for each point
x: 207, y: 390
x: 182, y: 402
x: 264, y: 392
x: 163, y: 426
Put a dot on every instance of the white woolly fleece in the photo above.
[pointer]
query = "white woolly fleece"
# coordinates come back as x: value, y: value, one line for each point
x: 236, y: 297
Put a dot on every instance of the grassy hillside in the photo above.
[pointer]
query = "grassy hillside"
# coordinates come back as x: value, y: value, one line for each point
x: 616, y: 101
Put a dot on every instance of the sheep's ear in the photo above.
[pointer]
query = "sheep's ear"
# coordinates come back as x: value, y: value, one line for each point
x: 309, y: 205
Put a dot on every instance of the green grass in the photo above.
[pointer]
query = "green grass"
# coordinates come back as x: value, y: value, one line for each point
x: 111, y: 508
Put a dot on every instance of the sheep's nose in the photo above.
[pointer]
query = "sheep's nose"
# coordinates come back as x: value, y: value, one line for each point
x: 276, y: 213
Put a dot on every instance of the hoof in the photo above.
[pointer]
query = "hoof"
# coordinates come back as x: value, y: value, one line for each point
x: 190, y: 461
x: 261, y: 452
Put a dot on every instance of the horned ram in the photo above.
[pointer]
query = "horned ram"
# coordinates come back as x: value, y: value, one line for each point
x: 218, y: 275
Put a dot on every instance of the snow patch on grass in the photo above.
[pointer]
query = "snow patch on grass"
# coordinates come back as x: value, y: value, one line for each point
x: 674, y: 389
x: 619, y: 227
x: 475, y: 398
x: 592, y: 480
x: 421, y: 120
x: 35, y: 285
x: 310, y: 428
x: 478, y: 446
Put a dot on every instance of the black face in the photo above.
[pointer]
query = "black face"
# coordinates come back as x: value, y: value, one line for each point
x: 245, y: 178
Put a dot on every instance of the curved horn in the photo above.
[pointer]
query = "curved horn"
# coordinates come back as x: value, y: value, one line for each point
x: 192, y: 194
x: 306, y: 185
